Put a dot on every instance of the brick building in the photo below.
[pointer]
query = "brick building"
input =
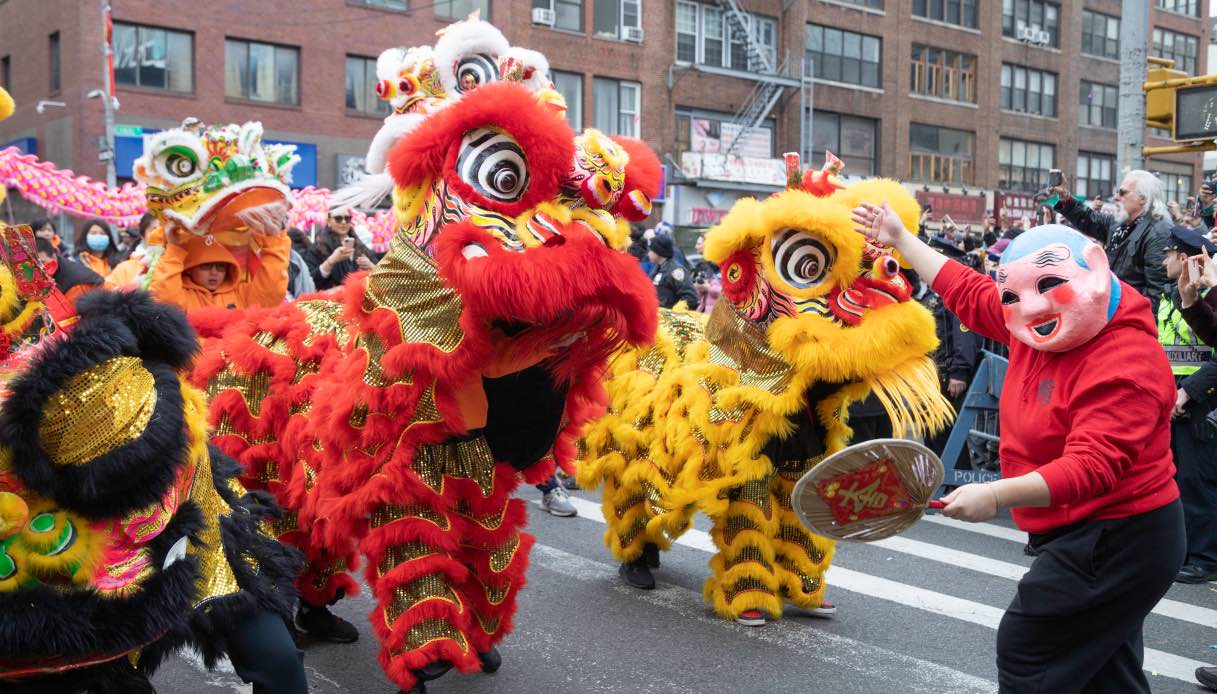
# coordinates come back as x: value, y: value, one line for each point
x: 972, y: 95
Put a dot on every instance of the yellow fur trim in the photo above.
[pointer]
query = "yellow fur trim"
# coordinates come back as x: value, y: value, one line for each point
x: 6, y: 104
x: 10, y: 302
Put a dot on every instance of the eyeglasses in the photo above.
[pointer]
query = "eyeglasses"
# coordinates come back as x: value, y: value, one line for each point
x: 342, y: 220
x: 1121, y: 193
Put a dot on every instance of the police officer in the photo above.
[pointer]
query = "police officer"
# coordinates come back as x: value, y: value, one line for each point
x: 672, y: 282
x: 1193, y: 436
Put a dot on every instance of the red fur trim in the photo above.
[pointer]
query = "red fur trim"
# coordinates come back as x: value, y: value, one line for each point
x: 543, y: 135
x: 644, y: 173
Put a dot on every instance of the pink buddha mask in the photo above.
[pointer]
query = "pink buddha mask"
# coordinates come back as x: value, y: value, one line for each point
x: 1057, y: 290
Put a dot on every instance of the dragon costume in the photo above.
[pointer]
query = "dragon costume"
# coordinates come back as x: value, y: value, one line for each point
x: 123, y: 534
x: 724, y: 415
x: 394, y: 417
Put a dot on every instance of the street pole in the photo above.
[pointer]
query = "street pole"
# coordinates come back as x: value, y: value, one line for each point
x: 1134, y: 48
x: 106, y: 148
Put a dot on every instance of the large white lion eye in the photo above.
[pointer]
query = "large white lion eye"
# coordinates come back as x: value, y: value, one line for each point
x: 801, y: 260
x: 178, y: 162
x: 493, y: 164
x: 475, y: 70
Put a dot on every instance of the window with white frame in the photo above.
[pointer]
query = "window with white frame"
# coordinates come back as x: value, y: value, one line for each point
x: 1024, y: 165
x: 1100, y: 35
x: 1097, y: 105
x: 844, y: 56
x: 1095, y: 175
x: 1179, y: 47
x: 388, y: 4
x: 568, y: 14
x: 1034, y: 14
x: 706, y: 35
x: 1176, y: 179
x: 616, y: 106
x: 1028, y: 91
x: 153, y: 57
x: 570, y: 86
x: 460, y: 9
x: 261, y: 71
x: 361, y: 87
x: 1190, y: 8
x: 612, y: 18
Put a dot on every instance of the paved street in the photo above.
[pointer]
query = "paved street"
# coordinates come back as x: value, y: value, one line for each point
x: 918, y: 613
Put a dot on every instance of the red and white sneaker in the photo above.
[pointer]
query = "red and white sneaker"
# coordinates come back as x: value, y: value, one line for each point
x: 751, y: 618
x: 826, y: 610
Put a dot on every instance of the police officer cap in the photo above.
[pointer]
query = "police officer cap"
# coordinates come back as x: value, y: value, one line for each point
x: 661, y: 245
x: 1190, y: 241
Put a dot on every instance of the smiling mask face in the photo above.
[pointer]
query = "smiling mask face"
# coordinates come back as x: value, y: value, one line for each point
x: 1057, y: 291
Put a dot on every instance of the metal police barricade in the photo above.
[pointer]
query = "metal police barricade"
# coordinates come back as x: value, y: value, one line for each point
x: 976, y: 426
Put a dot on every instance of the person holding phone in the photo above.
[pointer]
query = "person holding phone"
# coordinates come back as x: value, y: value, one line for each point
x: 337, y: 252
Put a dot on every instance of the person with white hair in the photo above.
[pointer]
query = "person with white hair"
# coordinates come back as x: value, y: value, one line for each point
x: 1135, y: 237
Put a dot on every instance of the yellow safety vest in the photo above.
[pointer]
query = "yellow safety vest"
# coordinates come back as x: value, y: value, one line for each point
x: 1185, y: 354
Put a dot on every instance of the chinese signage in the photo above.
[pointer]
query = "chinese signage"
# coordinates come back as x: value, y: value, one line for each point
x: 961, y: 208
x: 1015, y: 206
x: 703, y: 207
x: 733, y: 169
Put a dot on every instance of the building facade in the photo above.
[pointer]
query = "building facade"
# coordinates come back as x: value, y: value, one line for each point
x: 966, y: 100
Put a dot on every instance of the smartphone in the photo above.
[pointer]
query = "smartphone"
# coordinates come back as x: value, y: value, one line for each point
x: 1055, y: 178
x: 348, y: 242
x: 1193, y: 270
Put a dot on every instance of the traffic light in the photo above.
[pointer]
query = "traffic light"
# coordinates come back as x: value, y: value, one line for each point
x: 1195, y: 113
x: 1160, y: 101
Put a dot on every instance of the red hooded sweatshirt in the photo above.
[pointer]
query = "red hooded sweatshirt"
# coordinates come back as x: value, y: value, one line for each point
x: 1093, y: 421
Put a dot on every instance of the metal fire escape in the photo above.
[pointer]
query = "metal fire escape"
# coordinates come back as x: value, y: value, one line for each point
x: 766, y: 94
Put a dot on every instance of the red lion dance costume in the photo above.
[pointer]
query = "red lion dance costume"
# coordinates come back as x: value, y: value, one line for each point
x: 395, y: 418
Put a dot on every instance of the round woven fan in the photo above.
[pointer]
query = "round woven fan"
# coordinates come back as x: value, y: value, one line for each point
x: 868, y: 491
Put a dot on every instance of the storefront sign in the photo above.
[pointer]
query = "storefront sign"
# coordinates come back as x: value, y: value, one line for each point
x: 349, y: 168
x: 704, y: 207
x: 965, y: 209
x: 733, y: 169
x: 1015, y: 206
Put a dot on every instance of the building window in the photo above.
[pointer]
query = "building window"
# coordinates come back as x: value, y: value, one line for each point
x: 53, y: 44
x: 1190, y: 8
x: 1100, y: 35
x: 1097, y: 105
x: 570, y: 86
x: 1034, y: 14
x: 6, y: 73
x: 714, y: 133
x: 941, y: 155
x: 153, y: 57
x: 568, y: 14
x: 261, y: 72
x: 611, y: 18
x: 875, y: 4
x: 460, y: 9
x: 705, y: 35
x: 1179, y: 47
x: 852, y: 138
x: 361, y: 87
x: 616, y: 106
x: 843, y: 56
x: 958, y: 12
x: 1024, y: 165
x: 1095, y: 175
x: 1028, y: 91
x: 944, y: 74
x: 388, y: 4
x: 1176, y: 179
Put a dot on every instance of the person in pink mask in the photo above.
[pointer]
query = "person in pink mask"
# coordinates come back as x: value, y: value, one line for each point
x: 1085, y: 452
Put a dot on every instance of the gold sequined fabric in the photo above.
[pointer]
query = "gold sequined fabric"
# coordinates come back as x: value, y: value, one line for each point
x: 216, y: 578
x: 104, y: 407
x: 463, y: 460
x: 406, y: 282
x: 742, y: 345
x: 324, y: 318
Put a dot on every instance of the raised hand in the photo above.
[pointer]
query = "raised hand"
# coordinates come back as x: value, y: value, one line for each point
x: 880, y: 224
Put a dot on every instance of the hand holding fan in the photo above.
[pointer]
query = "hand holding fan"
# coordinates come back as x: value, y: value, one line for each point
x: 868, y: 491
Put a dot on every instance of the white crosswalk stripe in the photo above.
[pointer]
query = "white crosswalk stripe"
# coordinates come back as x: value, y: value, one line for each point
x: 1156, y: 662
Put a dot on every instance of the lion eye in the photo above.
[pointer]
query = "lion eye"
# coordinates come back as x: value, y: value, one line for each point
x: 801, y: 260
x: 475, y: 70
x: 493, y: 164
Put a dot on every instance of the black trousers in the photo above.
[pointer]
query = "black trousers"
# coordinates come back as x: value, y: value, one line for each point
x: 263, y: 653
x: 1196, y: 474
x: 1075, y: 623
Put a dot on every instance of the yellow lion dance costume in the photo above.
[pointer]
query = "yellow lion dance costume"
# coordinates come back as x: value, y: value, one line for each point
x: 724, y: 416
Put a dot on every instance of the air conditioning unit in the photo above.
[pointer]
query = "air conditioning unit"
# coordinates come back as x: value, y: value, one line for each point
x: 1025, y: 33
x: 633, y: 34
x: 541, y: 15
x: 1042, y: 37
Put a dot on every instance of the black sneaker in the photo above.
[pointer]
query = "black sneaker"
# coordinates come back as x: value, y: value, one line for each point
x: 650, y: 552
x: 637, y: 574
x: 491, y: 660
x: 1194, y: 574
x: 1207, y: 676
x: 433, y: 670
x: 320, y: 624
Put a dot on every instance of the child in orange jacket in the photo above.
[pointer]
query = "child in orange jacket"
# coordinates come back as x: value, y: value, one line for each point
x: 198, y: 271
